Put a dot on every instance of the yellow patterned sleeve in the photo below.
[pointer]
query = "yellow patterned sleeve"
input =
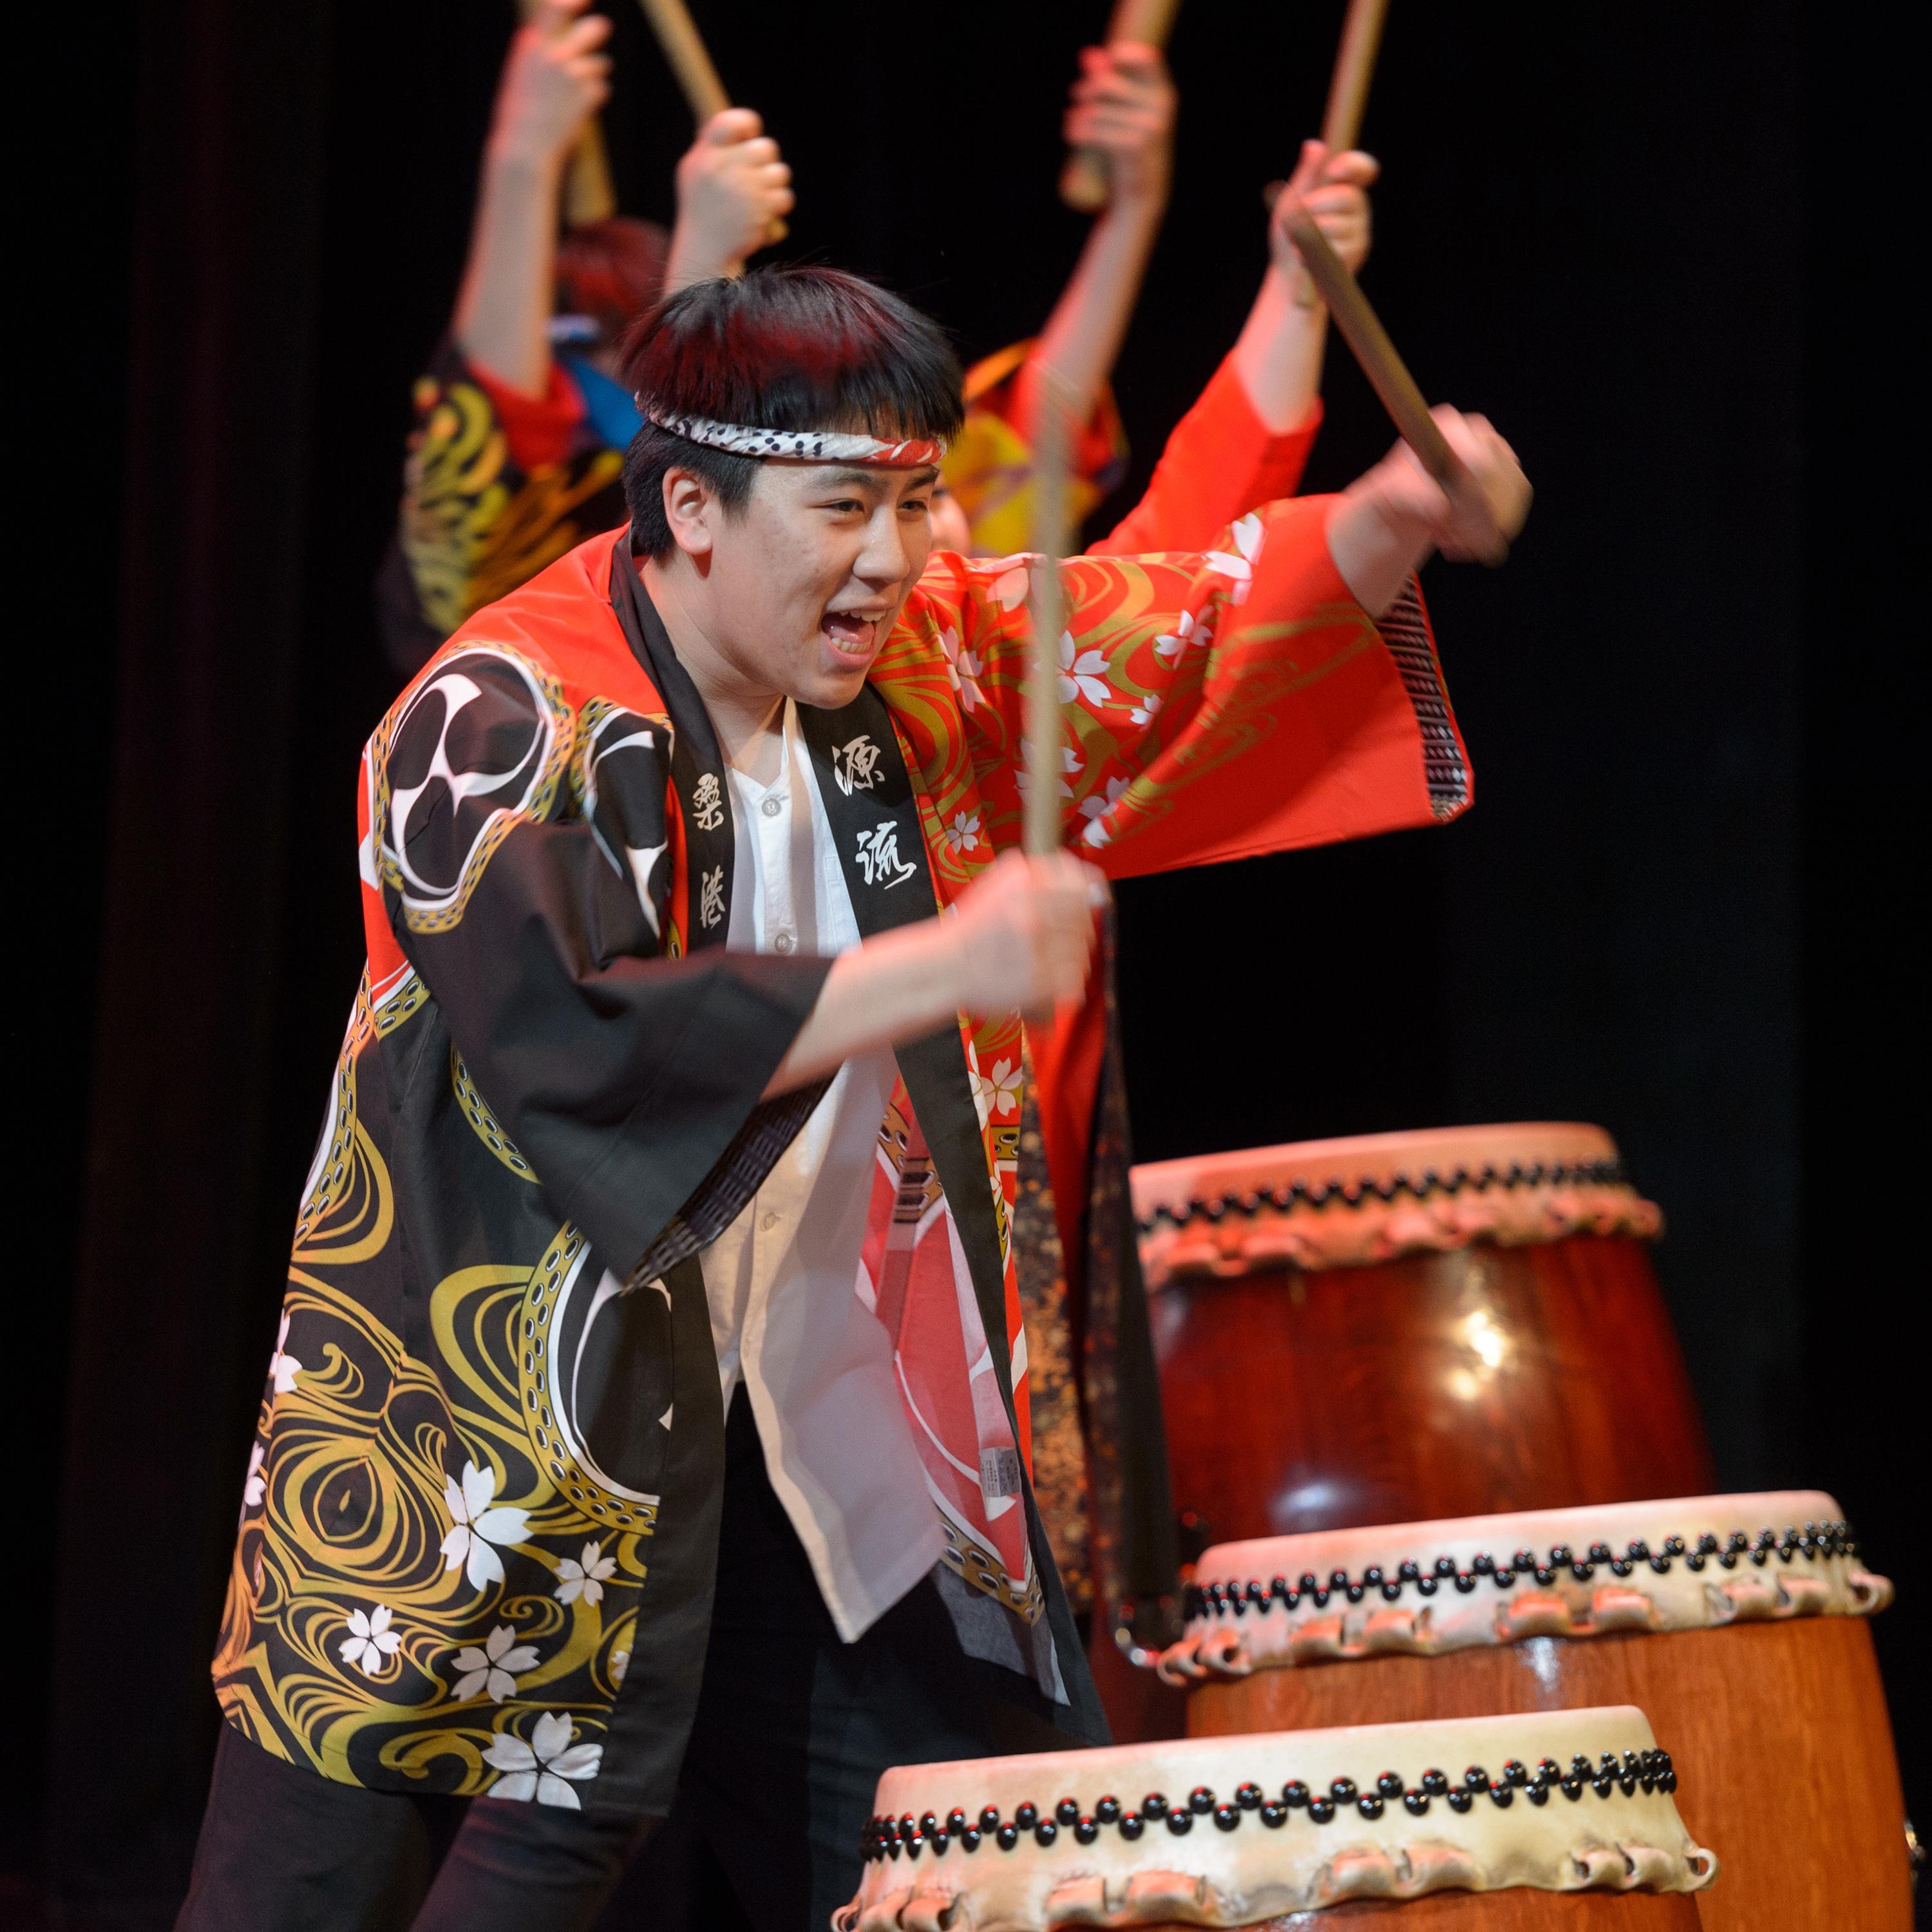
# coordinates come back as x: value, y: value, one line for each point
x: 473, y: 526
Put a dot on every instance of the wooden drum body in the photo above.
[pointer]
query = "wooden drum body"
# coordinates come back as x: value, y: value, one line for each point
x: 1404, y: 1326
x: 1315, y: 1828
x: 1757, y: 1672
x: 1515, y: 1911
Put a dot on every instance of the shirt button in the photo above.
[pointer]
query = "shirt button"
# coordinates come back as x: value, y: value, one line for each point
x: 783, y: 943
x: 768, y: 1220
x: 772, y: 807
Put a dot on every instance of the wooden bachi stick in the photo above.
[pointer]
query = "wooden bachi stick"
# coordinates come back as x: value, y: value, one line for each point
x: 1053, y: 444
x: 1354, y: 68
x: 685, y: 49
x: 588, y: 195
x: 1083, y: 181
x: 1361, y: 328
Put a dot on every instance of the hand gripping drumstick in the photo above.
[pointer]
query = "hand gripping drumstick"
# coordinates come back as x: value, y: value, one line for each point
x: 1354, y: 68
x: 1349, y: 84
x: 685, y: 50
x: 588, y: 195
x: 1083, y: 181
x: 1053, y: 443
x: 1362, y: 330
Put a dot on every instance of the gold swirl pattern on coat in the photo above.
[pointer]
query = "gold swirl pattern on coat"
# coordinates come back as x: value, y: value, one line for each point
x: 549, y: 1442
x: 476, y: 1112
x: 350, y: 1172
x: 346, y: 1542
x: 975, y: 1564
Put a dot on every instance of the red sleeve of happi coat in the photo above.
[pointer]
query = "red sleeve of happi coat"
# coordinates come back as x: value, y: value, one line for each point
x: 537, y: 430
x: 1217, y: 703
x: 1221, y: 461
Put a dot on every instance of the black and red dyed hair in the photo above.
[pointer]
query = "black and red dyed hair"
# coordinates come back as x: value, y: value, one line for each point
x: 778, y: 348
x: 612, y: 270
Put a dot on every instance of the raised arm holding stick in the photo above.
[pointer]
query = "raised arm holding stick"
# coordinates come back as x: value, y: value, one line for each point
x: 1122, y: 105
x: 1278, y: 356
x: 1447, y: 479
x: 1087, y: 181
x: 688, y: 59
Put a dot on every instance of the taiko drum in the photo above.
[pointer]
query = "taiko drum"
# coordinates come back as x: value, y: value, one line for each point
x: 1401, y: 1326
x: 1431, y: 1827
x: 1737, y: 1623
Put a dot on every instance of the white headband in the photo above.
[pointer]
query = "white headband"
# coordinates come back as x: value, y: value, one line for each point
x: 801, y: 445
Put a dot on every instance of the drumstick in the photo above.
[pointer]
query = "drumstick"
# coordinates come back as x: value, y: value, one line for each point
x: 685, y: 50
x: 678, y: 36
x: 1053, y: 441
x: 1387, y: 373
x: 1083, y: 181
x: 1354, y: 68
x: 588, y: 194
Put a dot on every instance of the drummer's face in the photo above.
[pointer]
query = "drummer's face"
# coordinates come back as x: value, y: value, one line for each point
x: 797, y: 587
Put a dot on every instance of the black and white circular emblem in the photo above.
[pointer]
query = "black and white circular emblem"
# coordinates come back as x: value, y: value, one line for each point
x: 476, y: 749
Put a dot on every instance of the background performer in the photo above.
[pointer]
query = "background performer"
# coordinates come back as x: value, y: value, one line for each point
x: 520, y: 428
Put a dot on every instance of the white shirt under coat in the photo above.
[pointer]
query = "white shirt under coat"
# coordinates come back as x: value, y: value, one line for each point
x: 781, y: 1280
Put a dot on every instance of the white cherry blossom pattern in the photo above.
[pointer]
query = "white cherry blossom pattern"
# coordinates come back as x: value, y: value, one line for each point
x: 283, y: 1366
x: 1000, y: 1092
x: 475, y: 1526
x: 585, y: 1579
x: 256, y: 1486
x: 494, y: 1667
x: 1012, y: 578
x: 1082, y: 674
x: 962, y: 831
x: 1190, y: 633
x: 620, y: 1662
x: 1069, y: 762
x: 539, y: 1769
x: 1240, y: 566
x: 1143, y: 712
x: 1095, y: 808
x: 964, y: 668
x: 371, y: 1642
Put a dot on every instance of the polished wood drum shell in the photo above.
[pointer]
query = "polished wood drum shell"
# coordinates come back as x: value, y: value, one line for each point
x: 1760, y: 1676
x: 1514, y: 1911
x: 1258, y: 1831
x: 1411, y: 1325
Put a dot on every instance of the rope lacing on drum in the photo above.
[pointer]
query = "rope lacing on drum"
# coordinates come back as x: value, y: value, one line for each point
x: 1424, y: 1186
x: 906, y: 1836
x: 1813, y: 1542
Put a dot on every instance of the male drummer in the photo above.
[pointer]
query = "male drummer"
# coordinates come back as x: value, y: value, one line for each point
x: 586, y: 1486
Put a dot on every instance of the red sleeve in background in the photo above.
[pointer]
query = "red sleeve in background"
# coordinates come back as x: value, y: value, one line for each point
x: 1221, y: 462
x: 537, y: 429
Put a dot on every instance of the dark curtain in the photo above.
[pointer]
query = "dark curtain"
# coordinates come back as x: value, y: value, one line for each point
x: 1659, y: 247
x: 1856, y: 1394
x: 176, y: 1283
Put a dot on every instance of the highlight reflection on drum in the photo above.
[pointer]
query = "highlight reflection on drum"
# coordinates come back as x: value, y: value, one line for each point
x: 1242, y: 1832
x: 1407, y: 1325
x: 1736, y: 1622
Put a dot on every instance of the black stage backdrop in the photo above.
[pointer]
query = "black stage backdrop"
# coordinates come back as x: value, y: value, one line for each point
x: 1653, y: 244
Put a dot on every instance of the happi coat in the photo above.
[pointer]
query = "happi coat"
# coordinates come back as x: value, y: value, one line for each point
x: 480, y: 1519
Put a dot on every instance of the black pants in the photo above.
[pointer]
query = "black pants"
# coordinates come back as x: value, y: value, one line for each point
x: 793, y: 1730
